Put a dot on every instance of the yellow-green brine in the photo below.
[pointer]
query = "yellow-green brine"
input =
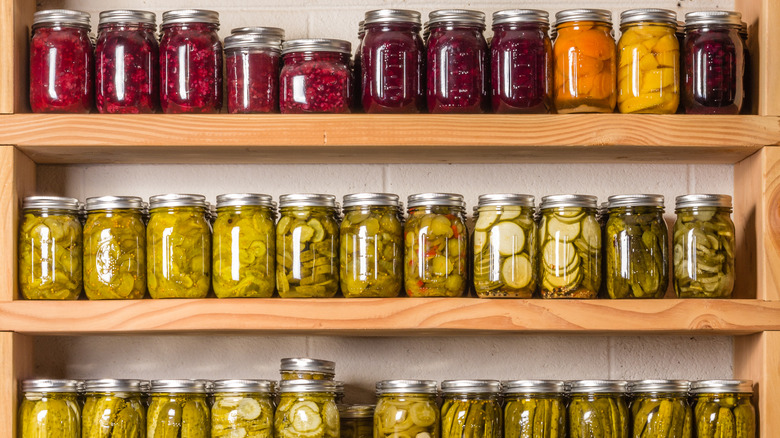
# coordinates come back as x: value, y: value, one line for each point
x: 723, y: 409
x: 357, y: 421
x: 598, y: 409
x: 113, y: 409
x: 534, y: 408
x: 406, y: 408
x: 49, y: 409
x: 660, y: 409
x: 307, y: 409
x: 304, y: 368
x: 471, y: 409
x: 242, y: 408
x: 178, y: 408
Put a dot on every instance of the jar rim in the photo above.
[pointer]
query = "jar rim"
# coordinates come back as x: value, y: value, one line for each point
x: 533, y: 386
x: 379, y: 199
x: 307, y: 386
x: 598, y: 386
x: 112, y: 202
x: 242, y: 199
x: 570, y: 15
x: 181, y: 16
x: 357, y: 411
x: 270, y: 32
x: 721, y: 386
x: 632, y: 16
x: 391, y: 16
x: 665, y: 386
x: 317, y: 45
x: 51, y: 202
x: 252, y: 41
x: 128, y: 16
x: 307, y: 200
x: 702, y: 200
x: 456, y: 16
x: 470, y: 387
x: 179, y: 386
x: 243, y: 386
x: 55, y: 17
x: 51, y: 385
x: 177, y: 200
x: 426, y: 199
x: 112, y: 385
x: 638, y: 200
x: 307, y: 364
x: 403, y: 386
x: 701, y: 18
x: 506, y: 199
x: 557, y: 201
x: 510, y: 16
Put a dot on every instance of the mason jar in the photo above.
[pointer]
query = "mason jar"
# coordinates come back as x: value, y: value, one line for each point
x: 304, y: 368
x: 725, y: 407
x: 242, y: 408
x: 307, y: 408
x: 598, y: 405
x: 534, y: 408
x: 661, y: 405
x: 406, y: 407
x: 357, y: 421
x: 462, y: 400
x: 49, y: 409
x: 315, y: 77
x: 252, y: 63
x: 113, y: 408
x: 178, y: 408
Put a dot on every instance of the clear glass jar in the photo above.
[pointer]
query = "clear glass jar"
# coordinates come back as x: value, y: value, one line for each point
x: 392, y: 62
x: 504, y: 246
x: 570, y: 247
x: 50, y: 408
x: 242, y: 408
x: 307, y: 246
x: 178, y: 252
x: 316, y: 77
x: 371, y: 246
x: 179, y: 408
x: 585, y: 67
x: 457, y: 62
x: 637, y: 247
x: 704, y: 247
x: 190, y: 62
x: 357, y: 421
x: 50, y: 249
x: 723, y: 408
x: 307, y: 408
x: 521, y: 62
x: 406, y: 408
x: 598, y: 408
x: 661, y: 406
x: 304, y: 368
x: 470, y: 408
x: 534, y: 408
x: 436, y: 246
x: 61, y: 62
x: 714, y: 63
x: 113, y: 408
x: 244, y: 246
x: 252, y: 65
x: 114, y: 249
x: 127, y: 56
x: 648, y: 62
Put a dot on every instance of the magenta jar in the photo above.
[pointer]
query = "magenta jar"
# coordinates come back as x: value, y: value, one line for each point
x: 457, y: 62
x: 316, y: 77
x: 521, y: 62
x: 190, y: 62
x: 714, y: 63
x: 61, y: 62
x: 252, y: 66
x: 126, y: 56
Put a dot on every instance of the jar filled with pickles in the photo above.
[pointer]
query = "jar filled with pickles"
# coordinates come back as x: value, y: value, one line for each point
x: 598, y: 408
x: 242, y: 408
x: 471, y: 408
x: 660, y: 408
x: 113, y: 408
x: 357, y: 421
x: 723, y: 408
x: 406, y: 408
x: 178, y: 408
x: 304, y: 368
x: 307, y: 409
x: 534, y: 408
x: 49, y: 408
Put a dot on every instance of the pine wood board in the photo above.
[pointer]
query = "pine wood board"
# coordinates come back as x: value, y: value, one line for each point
x: 16, y: 358
x: 757, y: 357
x: 17, y: 180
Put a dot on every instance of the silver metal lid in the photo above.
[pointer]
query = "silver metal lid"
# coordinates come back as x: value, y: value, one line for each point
x: 53, y: 202
x: 307, y: 364
x: 361, y: 28
x: 615, y: 201
x: 237, y: 385
x: 145, y: 386
x: 447, y: 199
x: 513, y: 199
x: 316, y: 45
x: 598, y: 386
x: 252, y: 41
x: 357, y: 411
x: 569, y: 15
x: 534, y: 387
x: 648, y: 14
x: 177, y: 200
x: 293, y: 386
x: 241, y: 199
x: 66, y: 17
x: 721, y: 386
x: 674, y: 386
x: 269, y: 32
x: 470, y: 386
x: 456, y: 16
x: 556, y: 201
x: 112, y: 385
x: 307, y: 200
x: 521, y: 16
x: 383, y: 199
x: 109, y: 202
x: 703, y: 200
x: 340, y: 387
x: 700, y: 18
x: 392, y: 16
x: 179, y: 386
x: 128, y: 16
x: 50, y: 385
x: 190, y: 16
x: 406, y: 386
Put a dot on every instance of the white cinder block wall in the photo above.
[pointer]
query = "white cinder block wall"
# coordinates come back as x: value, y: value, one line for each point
x: 362, y: 361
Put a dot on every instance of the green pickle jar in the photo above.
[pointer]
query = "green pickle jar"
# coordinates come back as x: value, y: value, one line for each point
x: 704, y: 247
x: 304, y: 368
x: 470, y: 409
x: 660, y: 409
x: 179, y: 408
x: 114, y: 249
x: 244, y: 246
x: 570, y: 242
x: 534, y: 408
x: 307, y: 409
x: 723, y: 409
x: 406, y: 408
x: 50, y: 251
x: 49, y: 409
x: 504, y: 246
x: 436, y: 247
x: 113, y: 408
x: 307, y: 245
x: 371, y: 246
x: 242, y: 408
x: 598, y: 409
x: 357, y: 421
x: 637, y: 247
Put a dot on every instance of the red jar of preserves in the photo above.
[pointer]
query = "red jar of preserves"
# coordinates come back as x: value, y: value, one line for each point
x: 252, y: 65
x: 316, y: 76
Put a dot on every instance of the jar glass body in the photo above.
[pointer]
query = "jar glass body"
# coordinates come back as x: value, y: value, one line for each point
x: 301, y: 415
x: 714, y: 70
x: 242, y: 414
x: 724, y: 412
x: 357, y: 427
x: 306, y: 375
x: 252, y: 80
x: 461, y: 414
x: 662, y: 411
x: 594, y: 412
x: 406, y: 413
x: 114, y: 414
x: 535, y: 415
x: 49, y: 415
x: 457, y: 69
x: 178, y: 414
x: 315, y: 82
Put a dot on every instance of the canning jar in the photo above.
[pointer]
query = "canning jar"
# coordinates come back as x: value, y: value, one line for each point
x: 190, y: 62
x: 371, y: 246
x: 242, y: 408
x: 406, y: 408
x: 392, y: 62
x: 244, y: 246
x: 126, y: 57
x: 114, y: 249
x: 534, y: 408
x: 598, y: 408
x: 570, y: 246
x: 179, y: 408
x: 178, y: 252
x: 357, y: 421
x: 435, y: 244
x: 637, y: 247
x: 252, y: 65
x: 304, y: 368
x: 521, y: 62
x: 61, y: 62
x: 457, y: 62
x: 50, y: 251
x: 470, y: 408
x: 661, y: 406
x: 307, y: 408
x: 113, y: 408
x: 723, y: 408
x: 648, y: 62
x: 704, y: 247
x: 49, y: 409
x: 316, y: 76
x: 585, y: 68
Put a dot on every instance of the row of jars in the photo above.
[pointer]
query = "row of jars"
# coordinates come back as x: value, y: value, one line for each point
x: 451, y: 70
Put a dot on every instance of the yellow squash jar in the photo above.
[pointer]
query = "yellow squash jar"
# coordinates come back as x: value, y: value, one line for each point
x: 242, y: 408
x: 113, y: 408
x: 304, y: 368
x: 179, y: 408
x: 307, y: 409
x: 49, y: 409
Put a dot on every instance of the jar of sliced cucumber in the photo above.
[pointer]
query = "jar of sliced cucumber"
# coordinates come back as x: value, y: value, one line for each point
x: 471, y: 409
x: 242, y: 408
x: 406, y: 408
x: 307, y: 409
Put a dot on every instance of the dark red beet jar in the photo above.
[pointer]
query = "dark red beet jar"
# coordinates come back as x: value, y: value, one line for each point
x: 316, y: 76
x: 252, y: 69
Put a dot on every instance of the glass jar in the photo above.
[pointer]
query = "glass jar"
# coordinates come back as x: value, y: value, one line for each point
x: 190, y: 62
x: 723, y: 408
x: 316, y: 77
x: 393, y: 59
x: 357, y: 421
x: 457, y: 62
x: 50, y: 409
x: 179, y: 408
x: 435, y: 244
x: 371, y: 246
x: 113, y: 408
x: 242, y: 408
x: 534, y: 408
x: 521, y: 62
x: 648, y: 62
x: 637, y: 247
x: 50, y: 251
x: 585, y: 68
x: 307, y: 408
x: 61, y: 62
x: 126, y: 56
x: 470, y: 409
x: 598, y: 408
x: 406, y: 408
x: 661, y: 406
x: 178, y: 252
x: 114, y: 249
x: 570, y: 247
x: 244, y: 246
x: 704, y: 247
x: 714, y: 63
x: 252, y: 65
x: 304, y: 368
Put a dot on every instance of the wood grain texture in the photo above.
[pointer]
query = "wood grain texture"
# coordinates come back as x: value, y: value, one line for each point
x: 757, y: 357
x: 762, y: 16
x: 15, y: 20
x: 16, y: 357
x: 17, y: 180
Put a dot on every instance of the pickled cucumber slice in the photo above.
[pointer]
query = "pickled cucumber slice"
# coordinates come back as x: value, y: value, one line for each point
x: 558, y: 255
x: 485, y: 220
x: 591, y: 231
x: 511, y: 238
x: 511, y: 213
x: 422, y: 414
x: 562, y: 230
x: 565, y: 281
x: 480, y: 238
x: 319, y: 232
x: 305, y: 416
x: 249, y: 408
x: 517, y: 271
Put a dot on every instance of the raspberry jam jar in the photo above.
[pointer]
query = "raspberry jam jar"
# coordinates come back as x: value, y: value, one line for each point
x: 521, y: 62
x: 252, y: 65
x: 392, y: 59
x: 61, y: 62
x: 457, y: 62
x: 316, y: 76
x: 190, y: 62
x: 126, y: 78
